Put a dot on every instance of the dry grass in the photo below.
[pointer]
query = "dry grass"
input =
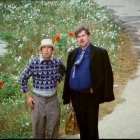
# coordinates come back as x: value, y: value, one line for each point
x: 126, y: 67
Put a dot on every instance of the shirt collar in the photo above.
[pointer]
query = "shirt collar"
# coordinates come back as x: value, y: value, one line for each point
x: 87, y: 49
x: 41, y: 59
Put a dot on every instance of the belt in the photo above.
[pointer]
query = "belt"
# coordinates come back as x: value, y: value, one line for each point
x: 44, y: 97
x: 88, y: 90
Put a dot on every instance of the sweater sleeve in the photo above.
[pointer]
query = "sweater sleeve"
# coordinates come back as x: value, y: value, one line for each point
x: 24, y: 77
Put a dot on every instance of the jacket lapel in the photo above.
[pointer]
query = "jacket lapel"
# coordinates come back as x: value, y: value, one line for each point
x: 73, y: 55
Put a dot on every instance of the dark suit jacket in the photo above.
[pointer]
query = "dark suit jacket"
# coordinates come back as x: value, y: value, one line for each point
x: 101, y: 75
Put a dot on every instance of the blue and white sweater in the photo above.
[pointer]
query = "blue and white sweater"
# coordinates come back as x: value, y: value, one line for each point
x: 45, y: 75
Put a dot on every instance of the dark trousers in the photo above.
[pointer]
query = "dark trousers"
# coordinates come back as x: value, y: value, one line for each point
x: 87, y: 114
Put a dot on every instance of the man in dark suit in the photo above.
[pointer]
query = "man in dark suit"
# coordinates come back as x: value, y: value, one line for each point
x: 88, y: 82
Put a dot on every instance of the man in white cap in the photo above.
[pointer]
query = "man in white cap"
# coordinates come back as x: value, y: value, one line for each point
x: 46, y: 73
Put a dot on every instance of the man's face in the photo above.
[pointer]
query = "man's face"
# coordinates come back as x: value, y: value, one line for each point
x: 47, y: 52
x: 83, y: 39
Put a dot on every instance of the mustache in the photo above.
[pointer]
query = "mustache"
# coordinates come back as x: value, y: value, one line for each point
x: 81, y: 41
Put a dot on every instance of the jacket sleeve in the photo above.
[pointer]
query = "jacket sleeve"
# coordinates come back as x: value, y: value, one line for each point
x: 66, y: 89
x: 109, y: 80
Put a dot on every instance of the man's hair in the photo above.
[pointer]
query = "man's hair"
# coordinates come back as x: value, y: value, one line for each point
x: 81, y: 28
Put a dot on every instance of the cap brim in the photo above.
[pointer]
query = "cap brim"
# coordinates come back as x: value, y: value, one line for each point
x: 47, y: 45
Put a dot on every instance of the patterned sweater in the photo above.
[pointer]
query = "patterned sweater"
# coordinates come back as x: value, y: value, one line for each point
x: 45, y: 74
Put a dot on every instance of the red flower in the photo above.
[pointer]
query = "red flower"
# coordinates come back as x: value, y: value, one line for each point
x: 70, y: 34
x: 1, y: 84
x: 57, y: 38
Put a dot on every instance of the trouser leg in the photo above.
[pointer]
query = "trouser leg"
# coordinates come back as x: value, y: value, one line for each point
x: 38, y: 120
x: 87, y: 115
x: 53, y: 119
x: 92, y: 122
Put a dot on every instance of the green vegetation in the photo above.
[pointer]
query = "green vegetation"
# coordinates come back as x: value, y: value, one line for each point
x: 22, y: 25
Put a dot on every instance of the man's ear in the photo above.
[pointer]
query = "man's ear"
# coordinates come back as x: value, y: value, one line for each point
x: 40, y: 49
x: 53, y: 50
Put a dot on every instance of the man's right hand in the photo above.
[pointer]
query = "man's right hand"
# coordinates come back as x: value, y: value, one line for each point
x: 30, y: 100
x: 69, y: 105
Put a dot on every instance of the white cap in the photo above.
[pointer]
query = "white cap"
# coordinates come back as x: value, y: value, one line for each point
x: 46, y: 42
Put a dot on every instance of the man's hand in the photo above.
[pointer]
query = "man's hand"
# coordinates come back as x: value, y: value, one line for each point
x: 69, y: 105
x: 57, y: 83
x: 30, y: 100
